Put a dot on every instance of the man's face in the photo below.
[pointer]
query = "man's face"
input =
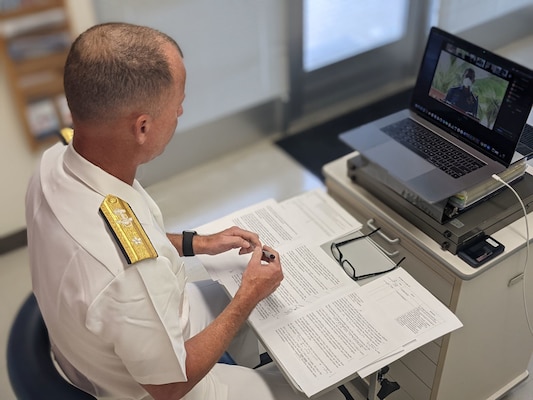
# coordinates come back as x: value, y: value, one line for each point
x: 468, y: 79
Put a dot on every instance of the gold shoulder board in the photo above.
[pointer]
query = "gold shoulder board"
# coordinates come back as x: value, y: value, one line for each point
x: 66, y: 135
x: 127, y: 230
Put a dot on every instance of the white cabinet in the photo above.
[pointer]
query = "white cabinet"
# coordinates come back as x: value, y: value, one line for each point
x: 487, y: 356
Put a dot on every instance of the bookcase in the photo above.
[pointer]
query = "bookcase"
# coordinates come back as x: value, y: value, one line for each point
x: 35, y: 36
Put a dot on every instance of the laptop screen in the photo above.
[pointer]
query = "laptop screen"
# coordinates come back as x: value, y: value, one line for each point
x: 475, y: 95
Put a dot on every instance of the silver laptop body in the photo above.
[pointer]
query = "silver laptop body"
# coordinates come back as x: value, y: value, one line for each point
x: 485, y: 121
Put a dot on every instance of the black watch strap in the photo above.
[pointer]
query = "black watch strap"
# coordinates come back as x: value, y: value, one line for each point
x: 186, y: 244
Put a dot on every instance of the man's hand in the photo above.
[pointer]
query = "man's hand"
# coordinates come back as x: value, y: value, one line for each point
x: 231, y: 238
x: 262, y: 276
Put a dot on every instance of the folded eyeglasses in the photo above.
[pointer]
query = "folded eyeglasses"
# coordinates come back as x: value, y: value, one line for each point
x: 347, y: 265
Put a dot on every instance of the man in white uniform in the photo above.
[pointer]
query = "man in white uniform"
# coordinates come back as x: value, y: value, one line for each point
x: 110, y: 282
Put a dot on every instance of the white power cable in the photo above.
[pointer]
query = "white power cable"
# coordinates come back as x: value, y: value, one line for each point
x: 524, y: 292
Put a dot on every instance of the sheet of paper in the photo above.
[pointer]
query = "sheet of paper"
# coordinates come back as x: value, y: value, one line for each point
x: 319, y: 216
x: 266, y: 218
x: 326, y: 344
x: 313, y: 217
x: 348, y: 330
x: 320, y: 326
x: 411, y: 308
x: 309, y: 274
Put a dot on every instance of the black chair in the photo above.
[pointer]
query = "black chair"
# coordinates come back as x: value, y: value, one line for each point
x: 29, y: 363
x: 30, y: 367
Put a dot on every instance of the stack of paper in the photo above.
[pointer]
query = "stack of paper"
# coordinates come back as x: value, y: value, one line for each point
x: 321, y: 327
x: 470, y: 196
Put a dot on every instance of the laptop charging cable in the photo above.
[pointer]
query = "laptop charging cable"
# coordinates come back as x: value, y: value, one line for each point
x: 524, y: 291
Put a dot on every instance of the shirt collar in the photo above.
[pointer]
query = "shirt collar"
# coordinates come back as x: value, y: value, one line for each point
x: 104, y: 183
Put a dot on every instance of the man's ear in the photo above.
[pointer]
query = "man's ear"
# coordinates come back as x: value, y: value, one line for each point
x: 142, y: 126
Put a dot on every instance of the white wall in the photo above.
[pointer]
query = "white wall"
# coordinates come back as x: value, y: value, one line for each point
x: 234, y: 49
x: 459, y: 15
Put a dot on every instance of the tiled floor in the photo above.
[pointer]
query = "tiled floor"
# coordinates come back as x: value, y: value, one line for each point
x: 188, y: 200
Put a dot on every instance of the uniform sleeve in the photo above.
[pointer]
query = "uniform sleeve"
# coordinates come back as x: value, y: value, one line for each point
x: 140, y: 316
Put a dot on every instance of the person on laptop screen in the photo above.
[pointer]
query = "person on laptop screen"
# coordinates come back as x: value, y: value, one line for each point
x: 461, y: 96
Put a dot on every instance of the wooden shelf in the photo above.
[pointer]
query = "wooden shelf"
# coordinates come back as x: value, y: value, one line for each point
x: 36, y: 7
x: 52, y: 87
x: 34, y: 51
x: 33, y: 65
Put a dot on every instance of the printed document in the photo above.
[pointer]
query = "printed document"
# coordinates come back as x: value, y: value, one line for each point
x: 321, y: 327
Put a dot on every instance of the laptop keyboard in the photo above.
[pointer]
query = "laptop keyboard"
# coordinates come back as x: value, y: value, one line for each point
x: 434, y: 149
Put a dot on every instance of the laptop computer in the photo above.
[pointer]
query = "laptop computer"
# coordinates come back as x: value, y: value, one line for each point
x: 467, y: 111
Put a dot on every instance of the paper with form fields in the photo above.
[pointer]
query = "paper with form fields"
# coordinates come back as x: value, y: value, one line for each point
x: 320, y: 326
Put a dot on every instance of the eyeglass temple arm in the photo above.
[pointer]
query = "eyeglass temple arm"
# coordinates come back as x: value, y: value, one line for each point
x: 338, y: 244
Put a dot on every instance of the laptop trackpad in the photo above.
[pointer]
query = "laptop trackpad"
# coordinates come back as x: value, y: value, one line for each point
x: 398, y: 161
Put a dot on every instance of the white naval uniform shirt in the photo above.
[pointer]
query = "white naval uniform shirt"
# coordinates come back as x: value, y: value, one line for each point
x: 111, y: 324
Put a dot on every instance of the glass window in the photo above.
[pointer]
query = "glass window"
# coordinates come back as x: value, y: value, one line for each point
x: 346, y: 51
x: 334, y: 30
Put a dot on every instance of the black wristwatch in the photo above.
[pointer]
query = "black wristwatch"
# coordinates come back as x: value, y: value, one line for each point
x: 186, y: 244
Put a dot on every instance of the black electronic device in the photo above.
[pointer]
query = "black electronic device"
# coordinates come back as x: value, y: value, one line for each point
x: 452, y: 234
x: 480, y: 251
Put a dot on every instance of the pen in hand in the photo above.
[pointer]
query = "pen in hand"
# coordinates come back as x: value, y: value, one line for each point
x: 269, y: 255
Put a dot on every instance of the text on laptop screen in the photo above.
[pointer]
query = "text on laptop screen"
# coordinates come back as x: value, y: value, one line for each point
x: 474, y: 94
